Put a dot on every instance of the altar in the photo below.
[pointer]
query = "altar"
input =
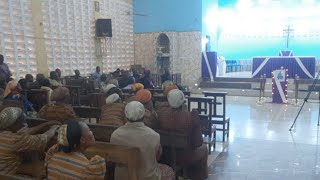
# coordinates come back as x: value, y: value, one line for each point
x: 304, y: 67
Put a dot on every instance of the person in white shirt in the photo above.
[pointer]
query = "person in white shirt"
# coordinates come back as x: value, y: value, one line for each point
x: 135, y: 134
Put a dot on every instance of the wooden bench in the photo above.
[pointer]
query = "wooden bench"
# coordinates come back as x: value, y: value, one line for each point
x: 88, y: 112
x: 118, y: 154
x: 103, y: 133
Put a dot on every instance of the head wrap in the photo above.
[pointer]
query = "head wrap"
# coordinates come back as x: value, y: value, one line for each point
x: 167, y: 89
x: 134, y: 111
x: 62, y: 135
x: 61, y: 94
x: 10, y: 86
x: 9, y: 116
x: 108, y: 87
x: 112, y: 98
x: 137, y: 86
x: 143, y: 96
x: 114, y: 82
x: 166, y: 83
x: 176, y: 98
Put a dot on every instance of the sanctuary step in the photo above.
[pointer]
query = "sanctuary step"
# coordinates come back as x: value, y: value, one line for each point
x: 232, y: 83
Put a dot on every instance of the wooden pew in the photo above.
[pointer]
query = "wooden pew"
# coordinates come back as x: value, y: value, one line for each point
x: 117, y: 154
x: 103, y: 133
x: 13, y: 177
x: 88, y: 112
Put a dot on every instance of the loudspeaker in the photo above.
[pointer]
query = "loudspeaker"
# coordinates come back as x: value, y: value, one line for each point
x: 103, y: 28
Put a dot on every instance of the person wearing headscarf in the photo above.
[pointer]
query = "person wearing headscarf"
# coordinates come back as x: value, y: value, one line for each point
x: 150, y: 116
x: 178, y: 119
x: 16, y: 138
x: 114, y: 82
x: 66, y: 160
x: 61, y: 95
x: 112, y: 113
x: 14, y: 92
x: 45, y: 85
x: 135, y: 134
x: 111, y: 89
x: 136, y: 87
x: 60, y: 107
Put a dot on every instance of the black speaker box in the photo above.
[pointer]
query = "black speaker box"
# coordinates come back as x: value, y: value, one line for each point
x: 103, y: 28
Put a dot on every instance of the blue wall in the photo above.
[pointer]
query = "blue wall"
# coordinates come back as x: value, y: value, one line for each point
x: 234, y: 46
x: 167, y: 15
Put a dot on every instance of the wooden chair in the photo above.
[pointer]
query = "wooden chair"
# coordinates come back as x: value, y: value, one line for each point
x: 88, y: 112
x: 219, y: 118
x: 176, y: 78
x: 204, y: 107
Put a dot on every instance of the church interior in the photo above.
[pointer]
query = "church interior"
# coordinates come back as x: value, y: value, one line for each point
x: 160, y: 89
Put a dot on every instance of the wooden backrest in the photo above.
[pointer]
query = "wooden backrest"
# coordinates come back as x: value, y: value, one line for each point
x: 219, y: 99
x: 12, y: 177
x: 176, y: 78
x: 97, y: 99
x: 117, y: 154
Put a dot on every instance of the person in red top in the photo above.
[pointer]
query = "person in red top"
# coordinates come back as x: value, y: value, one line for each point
x: 178, y: 119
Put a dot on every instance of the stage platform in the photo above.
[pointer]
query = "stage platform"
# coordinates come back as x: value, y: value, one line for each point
x: 241, y: 84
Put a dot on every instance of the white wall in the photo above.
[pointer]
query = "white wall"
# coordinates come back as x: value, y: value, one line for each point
x: 68, y: 35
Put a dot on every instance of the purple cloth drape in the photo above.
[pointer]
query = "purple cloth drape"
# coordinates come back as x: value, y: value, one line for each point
x: 285, y: 62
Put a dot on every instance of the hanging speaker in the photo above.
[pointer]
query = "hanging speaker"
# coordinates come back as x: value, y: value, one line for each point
x: 103, y: 28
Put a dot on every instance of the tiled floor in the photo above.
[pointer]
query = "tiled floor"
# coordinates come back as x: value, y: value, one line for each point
x: 262, y: 148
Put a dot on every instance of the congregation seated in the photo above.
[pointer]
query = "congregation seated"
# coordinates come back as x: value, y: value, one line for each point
x: 76, y: 74
x: 13, y: 91
x: 178, y: 119
x: 58, y: 71
x: 103, y: 82
x: 135, y: 134
x: 112, y: 113
x: 150, y: 116
x: 97, y: 74
x: 54, y: 79
x: 125, y: 80
x: 66, y: 160
x: 146, y: 80
x: 111, y: 89
x: 29, y: 78
x: 36, y: 83
x: 60, y: 107
x: 16, y: 138
x: 45, y: 84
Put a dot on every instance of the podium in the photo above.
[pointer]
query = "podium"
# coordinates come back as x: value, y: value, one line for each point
x: 280, y: 86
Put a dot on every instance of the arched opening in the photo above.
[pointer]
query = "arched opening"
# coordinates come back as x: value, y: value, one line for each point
x: 163, y: 53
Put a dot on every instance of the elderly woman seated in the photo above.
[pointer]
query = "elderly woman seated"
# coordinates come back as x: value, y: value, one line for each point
x: 135, y: 134
x: 150, y: 116
x: 178, y: 119
x: 14, y: 91
x: 113, y: 112
x: 59, y: 108
x: 66, y: 160
x: 16, y: 138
